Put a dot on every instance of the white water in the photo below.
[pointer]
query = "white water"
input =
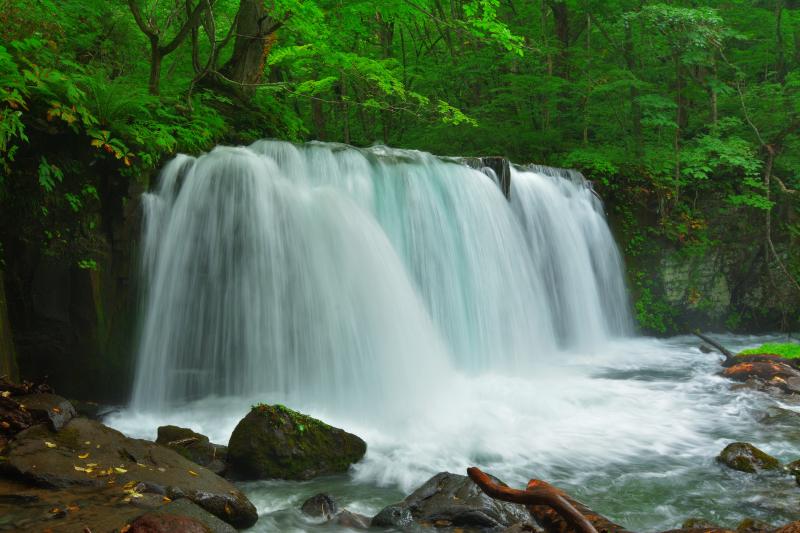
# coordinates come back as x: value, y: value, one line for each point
x: 358, y: 280
x: 403, y: 298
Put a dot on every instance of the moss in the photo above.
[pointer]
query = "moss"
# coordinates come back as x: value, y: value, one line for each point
x: 787, y: 350
x: 745, y: 457
x: 274, y: 441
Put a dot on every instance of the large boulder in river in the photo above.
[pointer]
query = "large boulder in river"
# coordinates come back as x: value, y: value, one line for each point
x: 273, y: 441
x: 745, y: 457
x: 451, y: 500
x: 85, y: 453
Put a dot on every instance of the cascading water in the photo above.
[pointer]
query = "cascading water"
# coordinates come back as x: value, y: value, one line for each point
x: 402, y: 297
x: 329, y: 274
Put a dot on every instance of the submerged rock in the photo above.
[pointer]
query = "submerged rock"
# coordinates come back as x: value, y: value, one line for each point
x: 351, y: 520
x: 320, y: 506
x: 745, y: 457
x: 451, y: 500
x: 273, y: 441
x: 87, y: 453
x: 194, y: 446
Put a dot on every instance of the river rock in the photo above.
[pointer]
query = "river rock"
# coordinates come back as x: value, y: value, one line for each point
x: 793, y: 527
x: 694, y: 523
x: 745, y: 457
x: 273, y: 441
x: 51, y: 408
x: 320, y: 506
x: 351, y: 520
x: 194, y: 446
x: 167, y: 523
x: 186, y: 508
x: 451, y: 500
x: 753, y: 525
x: 87, y: 453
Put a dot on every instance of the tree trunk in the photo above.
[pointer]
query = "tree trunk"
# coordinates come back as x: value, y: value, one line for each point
x: 255, y: 35
x: 155, y: 66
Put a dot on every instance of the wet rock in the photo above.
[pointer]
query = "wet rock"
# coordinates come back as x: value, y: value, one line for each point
x: 351, y: 520
x: 775, y: 372
x: 794, y: 469
x: 51, y: 408
x: 451, y: 500
x: 396, y: 516
x: 87, y: 453
x: 188, y: 509
x: 523, y: 528
x: 273, y: 441
x: 320, y: 506
x: 194, y: 446
x: 793, y: 527
x: 705, y: 348
x: 694, y: 523
x: 745, y: 457
x: 753, y: 525
x: 164, y: 523
x: 92, y: 410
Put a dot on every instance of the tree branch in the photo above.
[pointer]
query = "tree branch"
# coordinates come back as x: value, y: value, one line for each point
x: 537, y: 493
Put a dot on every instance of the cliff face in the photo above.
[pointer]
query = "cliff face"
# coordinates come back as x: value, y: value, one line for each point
x: 74, y: 327
x: 8, y: 352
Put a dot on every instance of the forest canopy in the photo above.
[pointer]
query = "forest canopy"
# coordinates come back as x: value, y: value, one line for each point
x: 684, y: 114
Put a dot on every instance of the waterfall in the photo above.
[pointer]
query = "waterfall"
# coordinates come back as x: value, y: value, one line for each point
x: 360, y: 278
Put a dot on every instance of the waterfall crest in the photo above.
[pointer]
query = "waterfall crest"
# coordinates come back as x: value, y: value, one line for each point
x: 359, y: 278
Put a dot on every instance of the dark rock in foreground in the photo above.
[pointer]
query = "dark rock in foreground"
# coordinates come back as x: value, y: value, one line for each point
x: 186, y: 509
x: 194, y: 446
x: 745, y: 457
x: 273, y: 441
x: 451, y: 500
x: 86, y: 453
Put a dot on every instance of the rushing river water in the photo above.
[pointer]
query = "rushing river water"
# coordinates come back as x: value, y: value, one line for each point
x: 632, y: 430
x: 402, y: 297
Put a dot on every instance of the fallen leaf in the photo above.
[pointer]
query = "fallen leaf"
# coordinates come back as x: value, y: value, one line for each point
x: 5, y: 393
x: 49, y: 444
x: 166, y: 499
x: 72, y: 508
x: 5, y: 425
x: 88, y: 442
x: 125, y: 528
x: 79, y: 468
x: 56, y: 410
x: 83, y: 455
x: 162, y: 469
x: 192, y: 472
x: 91, y: 465
x: 119, y: 470
x: 55, y: 510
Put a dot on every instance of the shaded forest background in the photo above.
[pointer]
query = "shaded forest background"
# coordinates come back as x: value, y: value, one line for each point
x: 685, y: 116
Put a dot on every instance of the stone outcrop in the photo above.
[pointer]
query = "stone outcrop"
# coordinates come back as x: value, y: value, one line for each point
x: 85, y: 453
x: 194, y: 446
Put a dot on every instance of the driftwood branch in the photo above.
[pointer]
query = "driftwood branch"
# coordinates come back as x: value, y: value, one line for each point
x: 537, y: 493
x: 729, y: 355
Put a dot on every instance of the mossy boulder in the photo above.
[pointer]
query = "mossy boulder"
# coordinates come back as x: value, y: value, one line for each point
x: 745, y: 457
x: 273, y: 441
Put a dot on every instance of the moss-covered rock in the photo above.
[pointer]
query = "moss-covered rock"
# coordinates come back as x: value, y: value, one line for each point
x: 745, y: 457
x: 273, y: 441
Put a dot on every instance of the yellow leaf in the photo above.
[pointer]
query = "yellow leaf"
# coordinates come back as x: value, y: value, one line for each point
x: 119, y: 470
x: 165, y: 499
x: 91, y: 465
x: 88, y: 442
x: 49, y: 444
x: 79, y: 468
x: 192, y: 472
x: 5, y: 394
x: 83, y: 455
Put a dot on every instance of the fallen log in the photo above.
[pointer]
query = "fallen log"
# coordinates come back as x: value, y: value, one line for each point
x: 552, y: 509
x: 729, y: 355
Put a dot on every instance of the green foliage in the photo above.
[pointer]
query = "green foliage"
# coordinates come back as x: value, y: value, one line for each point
x: 787, y: 350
